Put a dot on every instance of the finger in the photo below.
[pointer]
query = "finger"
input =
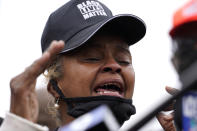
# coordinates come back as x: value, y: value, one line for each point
x: 55, y: 47
x: 169, y: 117
x: 166, y: 121
x: 169, y: 126
x: 170, y: 106
x: 38, y: 66
x: 165, y: 117
x: 171, y: 90
x: 159, y: 117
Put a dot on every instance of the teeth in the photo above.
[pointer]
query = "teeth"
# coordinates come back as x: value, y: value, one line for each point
x: 108, y: 88
x: 103, y: 92
x: 108, y: 91
x: 100, y: 92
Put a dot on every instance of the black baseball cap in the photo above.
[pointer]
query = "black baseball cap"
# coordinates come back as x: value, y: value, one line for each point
x: 78, y: 20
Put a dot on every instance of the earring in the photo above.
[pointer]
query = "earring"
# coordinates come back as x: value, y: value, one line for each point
x: 56, y: 105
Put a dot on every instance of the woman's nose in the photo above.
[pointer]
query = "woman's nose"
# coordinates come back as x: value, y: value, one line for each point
x: 111, y: 66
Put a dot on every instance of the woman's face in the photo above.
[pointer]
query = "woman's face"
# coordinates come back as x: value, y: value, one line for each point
x: 103, y: 66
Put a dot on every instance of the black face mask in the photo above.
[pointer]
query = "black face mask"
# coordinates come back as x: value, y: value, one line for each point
x: 121, y: 108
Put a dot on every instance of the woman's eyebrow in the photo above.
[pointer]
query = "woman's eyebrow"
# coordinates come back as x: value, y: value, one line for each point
x: 123, y: 48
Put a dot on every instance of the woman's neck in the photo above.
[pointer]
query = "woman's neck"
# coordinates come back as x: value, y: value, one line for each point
x: 65, y: 118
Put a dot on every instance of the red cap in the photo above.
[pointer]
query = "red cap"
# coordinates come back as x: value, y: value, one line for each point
x: 186, y: 14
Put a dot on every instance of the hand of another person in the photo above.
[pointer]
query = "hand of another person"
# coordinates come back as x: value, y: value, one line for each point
x: 167, y: 121
x: 24, y: 102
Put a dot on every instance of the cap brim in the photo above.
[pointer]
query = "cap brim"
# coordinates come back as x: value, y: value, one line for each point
x: 132, y: 26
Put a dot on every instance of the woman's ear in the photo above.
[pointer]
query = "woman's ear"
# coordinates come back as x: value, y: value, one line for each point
x: 52, y: 91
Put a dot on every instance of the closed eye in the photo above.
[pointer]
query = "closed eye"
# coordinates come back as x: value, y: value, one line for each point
x: 125, y: 62
x: 92, y: 59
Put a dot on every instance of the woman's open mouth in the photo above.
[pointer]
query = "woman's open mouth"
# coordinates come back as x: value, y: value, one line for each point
x: 109, y: 88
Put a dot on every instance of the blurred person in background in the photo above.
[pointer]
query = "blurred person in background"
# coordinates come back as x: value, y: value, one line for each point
x: 184, y: 38
x: 47, y: 115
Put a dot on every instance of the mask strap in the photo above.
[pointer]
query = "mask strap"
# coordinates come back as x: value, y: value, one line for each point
x: 56, y: 88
